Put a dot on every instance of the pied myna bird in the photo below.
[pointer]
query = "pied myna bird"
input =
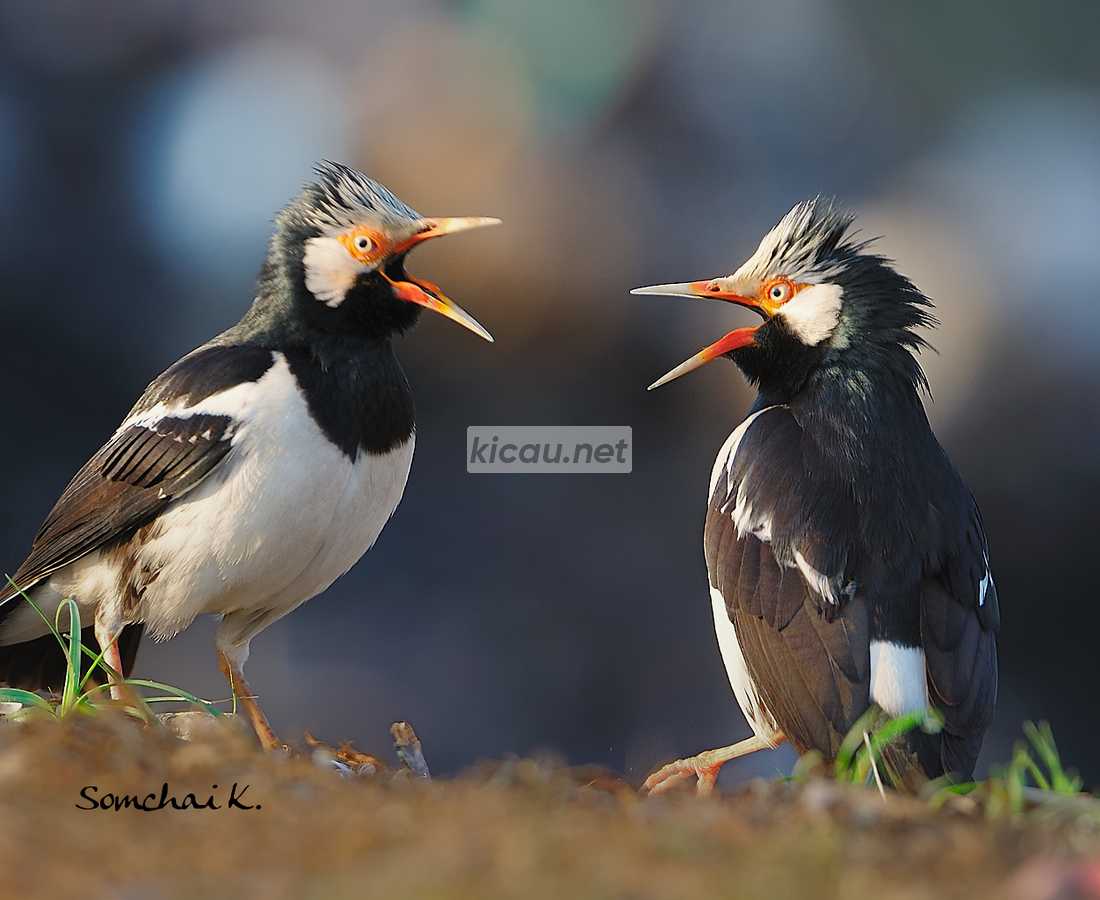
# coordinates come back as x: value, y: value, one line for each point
x: 260, y: 467
x: 847, y: 561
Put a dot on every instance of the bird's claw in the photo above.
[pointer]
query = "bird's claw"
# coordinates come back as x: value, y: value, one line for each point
x: 667, y: 777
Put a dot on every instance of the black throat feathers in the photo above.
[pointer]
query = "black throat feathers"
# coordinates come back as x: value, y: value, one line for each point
x: 357, y: 393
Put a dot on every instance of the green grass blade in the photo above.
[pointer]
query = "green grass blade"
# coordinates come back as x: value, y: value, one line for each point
x: 176, y: 694
x: 942, y: 789
x: 928, y: 721
x: 1042, y: 739
x: 97, y: 662
x: 141, y: 710
x: 97, y: 659
x: 72, y: 654
x: 27, y: 698
x: 854, y: 760
x: 850, y: 747
x: 1028, y: 766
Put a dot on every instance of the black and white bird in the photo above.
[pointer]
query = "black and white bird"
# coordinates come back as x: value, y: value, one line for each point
x: 260, y: 467
x: 847, y: 560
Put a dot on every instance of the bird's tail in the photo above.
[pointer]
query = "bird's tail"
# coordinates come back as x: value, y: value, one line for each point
x: 39, y: 664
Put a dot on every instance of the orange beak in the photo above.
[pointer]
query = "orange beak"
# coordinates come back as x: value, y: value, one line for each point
x: 423, y: 292
x: 714, y: 289
x: 433, y: 228
x: 736, y: 339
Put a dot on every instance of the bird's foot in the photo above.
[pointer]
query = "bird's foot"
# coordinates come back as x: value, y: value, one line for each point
x: 705, y: 766
x: 698, y: 767
x: 264, y: 733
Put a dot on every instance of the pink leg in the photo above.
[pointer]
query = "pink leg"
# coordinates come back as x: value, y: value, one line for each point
x: 108, y: 643
x: 705, y: 766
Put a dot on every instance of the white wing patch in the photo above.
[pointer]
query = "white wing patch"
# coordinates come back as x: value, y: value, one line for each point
x: 744, y: 689
x: 747, y: 522
x: 986, y: 582
x: 819, y: 581
x: 743, y: 517
x: 724, y: 461
x: 240, y: 403
x: 899, y: 683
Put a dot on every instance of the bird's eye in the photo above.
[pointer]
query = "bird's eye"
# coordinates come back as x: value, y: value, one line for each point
x: 363, y: 245
x: 780, y: 292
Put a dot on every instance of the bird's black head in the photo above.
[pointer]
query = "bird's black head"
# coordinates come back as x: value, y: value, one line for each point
x: 826, y: 302
x: 336, y: 261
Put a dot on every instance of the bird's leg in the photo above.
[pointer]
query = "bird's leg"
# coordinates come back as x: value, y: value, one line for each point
x: 234, y: 636
x: 233, y: 640
x: 107, y: 631
x: 705, y: 766
x: 234, y: 674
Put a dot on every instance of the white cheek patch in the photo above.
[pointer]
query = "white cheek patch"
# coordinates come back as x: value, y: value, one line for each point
x: 330, y: 270
x: 813, y: 313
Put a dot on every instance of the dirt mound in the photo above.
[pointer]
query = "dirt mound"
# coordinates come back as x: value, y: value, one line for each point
x: 99, y: 806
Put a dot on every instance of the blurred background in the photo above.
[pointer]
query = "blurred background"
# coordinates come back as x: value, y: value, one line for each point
x: 144, y: 149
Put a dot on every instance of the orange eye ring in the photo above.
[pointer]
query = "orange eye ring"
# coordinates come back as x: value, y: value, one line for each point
x: 364, y: 245
x: 778, y: 291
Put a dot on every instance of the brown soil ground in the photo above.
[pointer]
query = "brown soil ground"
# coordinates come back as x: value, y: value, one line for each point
x: 520, y: 829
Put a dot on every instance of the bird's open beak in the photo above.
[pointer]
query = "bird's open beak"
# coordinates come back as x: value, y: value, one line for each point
x: 715, y: 289
x: 425, y: 293
x: 740, y: 337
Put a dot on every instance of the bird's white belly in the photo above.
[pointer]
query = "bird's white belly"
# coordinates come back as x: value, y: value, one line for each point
x: 280, y: 519
x: 279, y: 530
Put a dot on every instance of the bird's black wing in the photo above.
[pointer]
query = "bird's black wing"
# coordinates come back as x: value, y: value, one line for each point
x: 806, y: 648
x: 960, y: 618
x: 131, y: 479
x: 148, y: 463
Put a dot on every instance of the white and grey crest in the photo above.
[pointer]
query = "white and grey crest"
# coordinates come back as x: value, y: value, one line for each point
x: 810, y: 244
x: 347, y: 197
